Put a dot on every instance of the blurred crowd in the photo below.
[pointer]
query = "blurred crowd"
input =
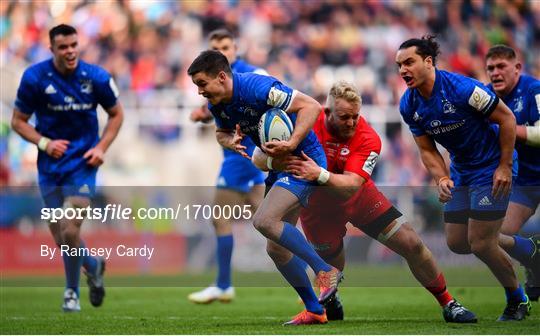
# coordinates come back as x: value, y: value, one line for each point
x: 147, y: 45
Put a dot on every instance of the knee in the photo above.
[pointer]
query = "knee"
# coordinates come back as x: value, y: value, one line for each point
x: 458, y: 246
x: 262, y: 222
x: 413, y: 247
x: 480, y: 247
x: 222, y: 225
x: 70, y: 235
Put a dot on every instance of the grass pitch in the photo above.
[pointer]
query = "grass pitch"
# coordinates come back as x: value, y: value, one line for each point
x: 256, y: 310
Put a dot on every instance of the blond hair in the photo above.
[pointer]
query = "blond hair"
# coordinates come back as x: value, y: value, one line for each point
x: 343, y: 90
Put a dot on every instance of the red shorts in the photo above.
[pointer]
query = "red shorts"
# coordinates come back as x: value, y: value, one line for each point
x: 324, y: 220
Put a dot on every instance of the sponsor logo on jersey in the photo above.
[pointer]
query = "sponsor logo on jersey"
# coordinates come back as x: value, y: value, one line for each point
x: 443, y: 129
x: 448, y: 107
x: 518, y: 104
x: 416, y: 117
x: 344, y: 151
x: 50, y: 89
x: 479, y: 99
x: 86, y: 86
x: 370, y: 163
x: 435, y: 123
x: 276, y: 97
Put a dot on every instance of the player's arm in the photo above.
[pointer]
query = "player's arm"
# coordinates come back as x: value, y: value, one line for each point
x: 232, y: 139
x: 346, y: 184
x: 201, y: 114
x: 307, y: 110
x: 530, y: 135
x: 304, y: 167
x: 502, y: 178
x: 434, y: 163
x: 266, y: 163
x: 95, y: 156
x: 19, y: 123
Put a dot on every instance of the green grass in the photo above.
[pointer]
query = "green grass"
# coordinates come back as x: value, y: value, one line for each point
x: 257, y: 310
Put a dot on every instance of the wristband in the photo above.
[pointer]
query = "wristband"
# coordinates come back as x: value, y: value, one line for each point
x: 43, y: 142
x: 444, y: 178
x: 324, y: 176
x: 269, y: 162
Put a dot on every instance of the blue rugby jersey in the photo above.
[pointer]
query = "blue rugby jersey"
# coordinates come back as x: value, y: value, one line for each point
x: 241, y: 66
x: 524, y: 101
x: 65, y: 108
x: 456, y: 116
x: 253, y: 95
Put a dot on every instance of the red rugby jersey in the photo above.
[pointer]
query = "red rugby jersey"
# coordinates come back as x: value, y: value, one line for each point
x: 358, y: 155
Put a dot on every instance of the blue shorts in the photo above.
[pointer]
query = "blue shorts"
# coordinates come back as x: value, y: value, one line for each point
x: 528, y: 196
x: 56, y: 187
x: 239, y: 174
x: 302, y: 189
x: 474, y: 202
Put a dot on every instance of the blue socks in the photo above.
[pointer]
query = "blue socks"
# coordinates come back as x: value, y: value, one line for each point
x: 294, y: 241
x: 89, y: 263
x: 295, y: 273
x: 224, y: 255
x: 522, y: 250
x: 72, y: 268
x: 517, y: 295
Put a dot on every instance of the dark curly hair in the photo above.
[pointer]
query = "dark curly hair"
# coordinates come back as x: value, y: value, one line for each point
x: 425, y: 46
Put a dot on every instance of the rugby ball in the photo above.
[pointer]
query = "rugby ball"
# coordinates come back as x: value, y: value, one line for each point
x: 275, y: 124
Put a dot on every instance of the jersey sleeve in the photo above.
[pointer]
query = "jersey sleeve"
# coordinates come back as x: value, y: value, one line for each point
x: 106, y: 90
x: 27, y: 94
x: 409, y: 118
x: 534, y: 106
x: 363, y: 159
x: 477, y: 95
x: 274, y: 93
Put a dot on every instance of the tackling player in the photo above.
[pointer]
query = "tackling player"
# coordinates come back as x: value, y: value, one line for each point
x: 352, y: 148
x: 238, y: 182
x: 458, y: 113
x: 63, y: 93
x: 237, y: 102
x: 521, y: 93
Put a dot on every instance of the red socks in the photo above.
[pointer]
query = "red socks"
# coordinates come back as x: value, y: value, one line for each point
x: 438, y: 288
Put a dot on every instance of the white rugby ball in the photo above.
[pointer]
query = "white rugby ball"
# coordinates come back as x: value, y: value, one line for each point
x: 275, y: 124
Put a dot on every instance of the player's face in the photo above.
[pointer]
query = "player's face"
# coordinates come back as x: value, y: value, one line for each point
x: 342, y: 120
x: 412, y: 68
x: 65, y: 49
x: 503, y: 74
x: 211, y: 88
x: 226, y: 46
